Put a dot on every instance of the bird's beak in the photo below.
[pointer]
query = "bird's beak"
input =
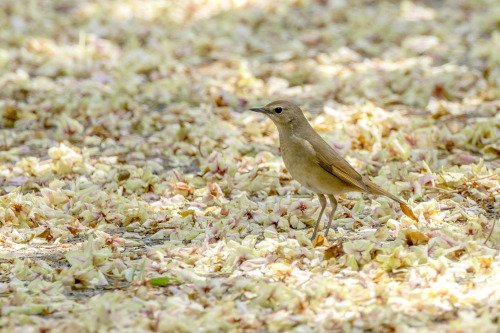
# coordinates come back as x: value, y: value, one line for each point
x: 261, y: 110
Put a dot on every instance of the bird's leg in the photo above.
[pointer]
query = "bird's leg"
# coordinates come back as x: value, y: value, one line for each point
x: 333, y: 203
x: 322, y: 201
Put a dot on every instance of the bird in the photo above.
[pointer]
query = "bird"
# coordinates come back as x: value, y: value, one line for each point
x: 315, y: 164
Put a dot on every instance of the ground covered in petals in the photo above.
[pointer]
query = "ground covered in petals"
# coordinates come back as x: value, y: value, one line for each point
x: 138, y: 195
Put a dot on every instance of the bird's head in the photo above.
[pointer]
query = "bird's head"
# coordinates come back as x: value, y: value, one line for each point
x: 281, y: 112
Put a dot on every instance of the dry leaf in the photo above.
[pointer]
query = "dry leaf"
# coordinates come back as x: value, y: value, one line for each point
x: 319, y: 241
x: 334, y: 251
x: 415, y: 237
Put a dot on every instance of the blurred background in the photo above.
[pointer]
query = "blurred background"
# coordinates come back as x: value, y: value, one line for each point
x: 126, y: 54
x: 99, y: 69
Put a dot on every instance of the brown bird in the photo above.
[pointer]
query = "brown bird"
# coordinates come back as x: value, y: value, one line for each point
x: 314, y: 164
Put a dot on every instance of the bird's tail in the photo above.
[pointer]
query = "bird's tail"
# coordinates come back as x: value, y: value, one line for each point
x: 377, y: 190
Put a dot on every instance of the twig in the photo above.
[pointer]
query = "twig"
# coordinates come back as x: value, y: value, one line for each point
x: 438, y: 189
x: 491, y: 231
x: 468, y: 115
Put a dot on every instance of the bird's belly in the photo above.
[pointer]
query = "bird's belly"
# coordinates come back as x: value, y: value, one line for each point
x: 313, y: 177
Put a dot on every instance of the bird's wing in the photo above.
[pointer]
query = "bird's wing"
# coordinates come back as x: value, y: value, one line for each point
x: 335, y: 164
x: 332, y: 162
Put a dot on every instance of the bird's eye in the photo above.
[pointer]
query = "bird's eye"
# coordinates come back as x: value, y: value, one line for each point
x: 278, y: 109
